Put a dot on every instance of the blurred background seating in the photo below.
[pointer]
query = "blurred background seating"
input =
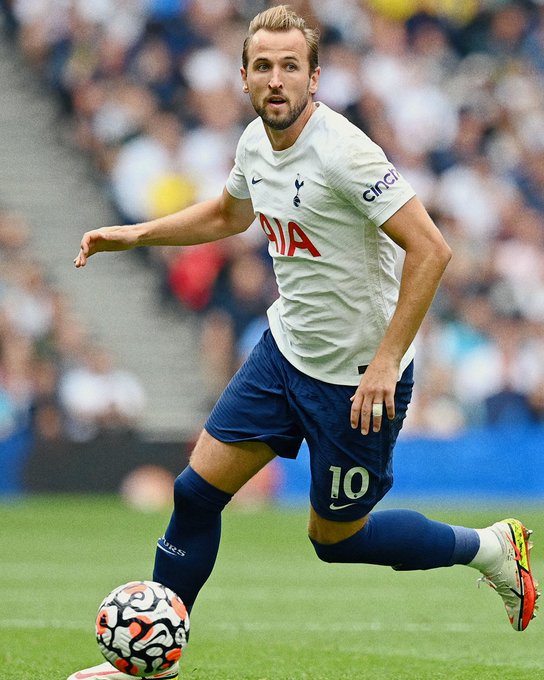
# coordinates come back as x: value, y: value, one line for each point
x: 148, y: 93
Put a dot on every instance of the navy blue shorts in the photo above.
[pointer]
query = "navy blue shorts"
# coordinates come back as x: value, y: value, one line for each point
x: 270, y: 401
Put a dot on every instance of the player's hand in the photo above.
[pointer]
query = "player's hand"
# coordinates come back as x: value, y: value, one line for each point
x: 104, y: 239
x: 374, y: 399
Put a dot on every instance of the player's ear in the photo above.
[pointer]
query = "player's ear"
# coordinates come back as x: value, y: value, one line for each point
x: 243, y: 74
x: 314, y: 80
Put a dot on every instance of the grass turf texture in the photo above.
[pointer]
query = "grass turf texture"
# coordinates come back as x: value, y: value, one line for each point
x: 271, y: 610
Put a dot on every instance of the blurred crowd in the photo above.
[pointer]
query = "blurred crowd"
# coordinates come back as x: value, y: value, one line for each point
x: 56, y: 383
x: 452, y: 90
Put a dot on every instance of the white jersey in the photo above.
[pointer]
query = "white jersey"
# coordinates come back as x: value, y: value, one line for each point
x: 320, y: 203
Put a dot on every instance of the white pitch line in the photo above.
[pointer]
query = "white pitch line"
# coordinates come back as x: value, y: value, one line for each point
x: 354, y: 627
x: 263, y: 627
x: 42, y: 624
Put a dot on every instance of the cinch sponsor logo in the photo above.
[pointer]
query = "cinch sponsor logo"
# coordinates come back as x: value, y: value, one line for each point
x: 377, y: 189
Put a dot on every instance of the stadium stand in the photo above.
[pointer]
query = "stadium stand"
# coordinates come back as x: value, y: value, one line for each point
x: 48, y: 188
x: 122, y: 111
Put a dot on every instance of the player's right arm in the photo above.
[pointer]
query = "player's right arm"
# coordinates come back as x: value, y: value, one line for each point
x: 203, y: 222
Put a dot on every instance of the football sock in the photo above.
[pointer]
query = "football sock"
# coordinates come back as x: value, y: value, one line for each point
x: 404, y: 540
x: 186, y: 554
x: 489, y: 552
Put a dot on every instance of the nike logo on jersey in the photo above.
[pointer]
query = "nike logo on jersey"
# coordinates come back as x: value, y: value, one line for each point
x: 256, y: 180
x: 333, y: 506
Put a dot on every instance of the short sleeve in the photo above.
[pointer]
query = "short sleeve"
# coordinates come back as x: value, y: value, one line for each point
x: 361, y: 174
x: 236, y: 182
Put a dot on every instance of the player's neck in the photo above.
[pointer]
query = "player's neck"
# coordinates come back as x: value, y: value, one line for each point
x: 283, y: 139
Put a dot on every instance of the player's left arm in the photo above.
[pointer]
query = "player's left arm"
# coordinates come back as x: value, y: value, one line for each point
x: 427, y: 255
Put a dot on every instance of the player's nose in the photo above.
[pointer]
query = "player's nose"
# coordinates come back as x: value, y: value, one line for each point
x: 275, y: 81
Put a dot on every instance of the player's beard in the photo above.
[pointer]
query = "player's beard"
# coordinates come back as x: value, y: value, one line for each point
x: 291, y: 115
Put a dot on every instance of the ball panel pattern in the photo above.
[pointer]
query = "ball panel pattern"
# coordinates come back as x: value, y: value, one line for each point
x: 142, y: 628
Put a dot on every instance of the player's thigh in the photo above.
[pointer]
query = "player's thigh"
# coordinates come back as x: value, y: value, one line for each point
x: 351, y: 472
x: 228, y: 466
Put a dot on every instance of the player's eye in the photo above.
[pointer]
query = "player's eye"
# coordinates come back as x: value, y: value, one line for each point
x: 262, y: 67
x: 291, y: 67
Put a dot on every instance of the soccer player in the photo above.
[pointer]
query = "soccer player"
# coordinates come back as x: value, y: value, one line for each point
x: 335, y: 367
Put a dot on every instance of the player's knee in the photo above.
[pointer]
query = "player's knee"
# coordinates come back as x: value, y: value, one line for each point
x: 324, y: 541
x: 324, y: 551
x: 192, y: 493
x: 327, y: 532
x: 330, y: 538
x: 182, y: 490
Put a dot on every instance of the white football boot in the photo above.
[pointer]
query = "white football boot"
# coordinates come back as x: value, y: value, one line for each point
x: 105, y: 671
x: 511, y: 574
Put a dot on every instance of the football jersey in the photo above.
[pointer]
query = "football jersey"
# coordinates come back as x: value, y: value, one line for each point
x: 320, y: 203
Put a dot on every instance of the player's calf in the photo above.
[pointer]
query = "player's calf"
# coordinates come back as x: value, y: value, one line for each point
x: 186, y: 553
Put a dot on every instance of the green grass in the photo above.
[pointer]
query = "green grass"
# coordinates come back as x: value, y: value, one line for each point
x: 270, y: 611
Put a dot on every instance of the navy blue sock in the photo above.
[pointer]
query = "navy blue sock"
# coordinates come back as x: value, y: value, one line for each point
x: 404, y: 540
x: 186, y: 553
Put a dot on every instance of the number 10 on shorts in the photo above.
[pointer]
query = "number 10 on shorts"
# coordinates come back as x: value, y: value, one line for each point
x: 354, y: 482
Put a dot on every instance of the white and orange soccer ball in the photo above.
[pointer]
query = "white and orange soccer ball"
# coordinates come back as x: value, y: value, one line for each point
x: 142, y: 628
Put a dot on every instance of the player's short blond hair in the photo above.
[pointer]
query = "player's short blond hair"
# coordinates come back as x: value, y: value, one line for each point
x: 283, y: 18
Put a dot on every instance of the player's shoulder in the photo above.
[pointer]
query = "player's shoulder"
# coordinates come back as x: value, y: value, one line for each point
x: 338, y: 134
x: 253, y: 134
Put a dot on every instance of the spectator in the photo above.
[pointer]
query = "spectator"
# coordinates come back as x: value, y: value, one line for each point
x: 41, y: 347
x: 98, y: 396
x: 499, y: 375
x: 153, y: 98
x: 143, y: 163
x: 243, y: 291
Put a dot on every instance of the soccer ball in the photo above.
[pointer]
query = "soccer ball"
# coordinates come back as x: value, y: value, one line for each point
x: 142, y: 628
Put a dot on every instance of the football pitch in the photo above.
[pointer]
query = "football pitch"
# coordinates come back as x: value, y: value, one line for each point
x: 270, y: 611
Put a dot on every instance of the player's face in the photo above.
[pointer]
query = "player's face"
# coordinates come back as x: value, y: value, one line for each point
x: 278, y: 78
